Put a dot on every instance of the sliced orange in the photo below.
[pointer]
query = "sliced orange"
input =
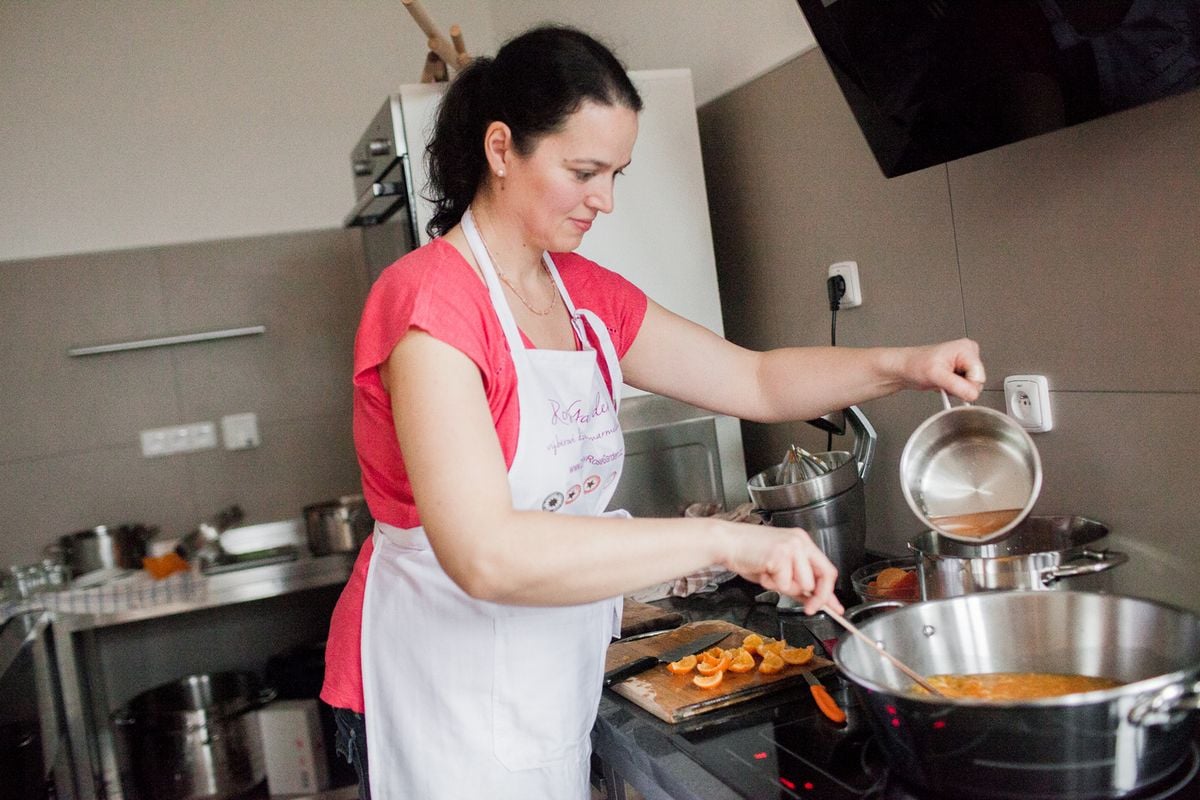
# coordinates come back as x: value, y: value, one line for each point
x: 683, y: 666
x: 771, y: 646
x: 707, y: 668
x: 888, y: 576
x: 797, y: 655
x: 752, y: 641
x: 742, y: 662
x: 709, y: 681
x: 715, y: 652
x: 771, y: 663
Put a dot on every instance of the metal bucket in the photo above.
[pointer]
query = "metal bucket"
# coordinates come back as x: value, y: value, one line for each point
x: 195, y: 738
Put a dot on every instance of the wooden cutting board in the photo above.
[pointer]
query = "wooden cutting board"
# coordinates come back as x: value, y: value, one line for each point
x: 639, y: 617
x: 674, y: 698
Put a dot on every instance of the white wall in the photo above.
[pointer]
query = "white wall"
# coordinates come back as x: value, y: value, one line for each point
x: 725, y: 44
x: 146, y: 122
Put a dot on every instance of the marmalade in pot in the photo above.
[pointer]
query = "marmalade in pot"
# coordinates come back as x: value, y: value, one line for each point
x: 1008, y: 686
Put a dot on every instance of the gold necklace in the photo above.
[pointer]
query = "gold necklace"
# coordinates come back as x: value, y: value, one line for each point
x: 509, y: 284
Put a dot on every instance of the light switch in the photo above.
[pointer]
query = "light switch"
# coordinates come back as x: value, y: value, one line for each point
x: 1027, y: 399
x: 240, y: 431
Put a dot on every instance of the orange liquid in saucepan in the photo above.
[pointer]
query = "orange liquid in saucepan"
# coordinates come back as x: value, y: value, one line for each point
x: 976, y: 525
x: 1014, y: 685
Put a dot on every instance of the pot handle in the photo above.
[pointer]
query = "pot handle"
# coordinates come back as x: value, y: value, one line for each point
x: 855, y: 612
x: 865, y: 438
x: 1168, y: 706
x: 1088, y: 562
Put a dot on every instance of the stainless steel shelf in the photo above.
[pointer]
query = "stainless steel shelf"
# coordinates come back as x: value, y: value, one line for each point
x: 83, y: 696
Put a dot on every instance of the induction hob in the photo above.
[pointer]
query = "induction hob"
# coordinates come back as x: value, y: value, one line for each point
x: 789, y: 750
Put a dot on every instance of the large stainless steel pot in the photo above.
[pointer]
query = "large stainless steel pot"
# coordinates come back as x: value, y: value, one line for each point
x: 1039, y: 553
x: 338, y: 526
x: 105, y: 547
x: 195, y: 738
x: 1095, y: 745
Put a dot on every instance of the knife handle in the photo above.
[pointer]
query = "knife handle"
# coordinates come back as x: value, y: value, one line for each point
x: 629, y: 670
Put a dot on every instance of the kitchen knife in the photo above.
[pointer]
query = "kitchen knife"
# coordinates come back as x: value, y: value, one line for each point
x: 674, y: 654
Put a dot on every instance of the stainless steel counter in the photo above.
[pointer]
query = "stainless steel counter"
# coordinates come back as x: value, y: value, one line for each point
x: 84, y: 695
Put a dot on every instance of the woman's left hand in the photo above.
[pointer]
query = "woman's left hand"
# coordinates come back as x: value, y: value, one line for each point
x: 954, y: 366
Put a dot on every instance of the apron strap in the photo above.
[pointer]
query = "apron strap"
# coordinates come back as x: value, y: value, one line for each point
x: 507, y: 321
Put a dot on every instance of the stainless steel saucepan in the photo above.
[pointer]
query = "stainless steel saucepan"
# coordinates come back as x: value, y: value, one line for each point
x: 1040, y: 553
x: 970, y: 472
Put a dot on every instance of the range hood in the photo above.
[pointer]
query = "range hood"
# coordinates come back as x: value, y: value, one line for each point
x: 930, y: 81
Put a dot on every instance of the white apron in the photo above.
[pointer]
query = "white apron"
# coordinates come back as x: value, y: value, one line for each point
x: 466, y: 698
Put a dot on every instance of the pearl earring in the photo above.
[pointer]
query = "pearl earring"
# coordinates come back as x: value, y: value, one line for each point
x: 500, y: 173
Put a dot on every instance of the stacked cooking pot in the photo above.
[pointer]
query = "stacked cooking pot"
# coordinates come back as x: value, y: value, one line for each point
x: 196, y: 737
x: 823, y: 494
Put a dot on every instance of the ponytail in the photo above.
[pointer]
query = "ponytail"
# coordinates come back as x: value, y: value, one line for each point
x: 454, y: 158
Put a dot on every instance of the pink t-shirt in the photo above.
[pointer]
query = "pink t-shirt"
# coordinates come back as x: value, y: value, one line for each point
x: 435, y: 290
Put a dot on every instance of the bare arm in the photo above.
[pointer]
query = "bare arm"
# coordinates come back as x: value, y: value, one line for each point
x: 677, y: 358
x: 497, y: 553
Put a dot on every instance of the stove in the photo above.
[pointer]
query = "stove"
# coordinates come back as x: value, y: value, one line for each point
x: 789, y: 750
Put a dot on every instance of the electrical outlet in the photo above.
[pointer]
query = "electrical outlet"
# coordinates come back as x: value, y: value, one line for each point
x: 178, y: 439
x: 849, y: 272
x: 1027, y: 399
x: 240, y: 431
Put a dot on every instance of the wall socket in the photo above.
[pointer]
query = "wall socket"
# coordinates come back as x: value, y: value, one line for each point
x: 849, y: 272
x: 240, y: 431
x: 1027, y: 399
x: 178, y: 439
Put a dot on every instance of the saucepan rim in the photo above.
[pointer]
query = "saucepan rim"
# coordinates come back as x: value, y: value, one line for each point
x: 1138, y: 687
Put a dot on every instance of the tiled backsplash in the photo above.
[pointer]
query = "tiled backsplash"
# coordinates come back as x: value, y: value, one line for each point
x: 70, y: 456
x: 1072, y: 255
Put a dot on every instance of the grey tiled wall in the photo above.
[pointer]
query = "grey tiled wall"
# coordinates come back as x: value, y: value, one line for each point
x: 1073, y: 255
x: 70, y: 454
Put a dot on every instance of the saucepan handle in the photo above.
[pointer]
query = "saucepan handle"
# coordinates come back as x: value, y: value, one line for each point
x: 1088, y: 562
x: 1168, y: 706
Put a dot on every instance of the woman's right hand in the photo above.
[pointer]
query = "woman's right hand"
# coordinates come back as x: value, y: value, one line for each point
x: 785, y: 560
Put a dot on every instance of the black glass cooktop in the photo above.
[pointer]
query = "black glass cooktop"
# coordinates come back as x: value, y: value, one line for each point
x: 789, y: 750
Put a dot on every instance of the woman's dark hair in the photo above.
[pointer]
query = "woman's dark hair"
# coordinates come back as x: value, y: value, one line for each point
x: 532, y: 85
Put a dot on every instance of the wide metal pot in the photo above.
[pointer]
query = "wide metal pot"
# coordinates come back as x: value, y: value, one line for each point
x: 196, y: 738
x: 1104, y: 744
x: 105, y: 547
x: 1037, y: 554
x: 338, y: 526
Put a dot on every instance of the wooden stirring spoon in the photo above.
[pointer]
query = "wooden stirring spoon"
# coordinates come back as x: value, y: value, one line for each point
x: 897, y: 663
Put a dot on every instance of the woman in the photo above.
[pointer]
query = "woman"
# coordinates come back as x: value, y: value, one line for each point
x: 487, y: 373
